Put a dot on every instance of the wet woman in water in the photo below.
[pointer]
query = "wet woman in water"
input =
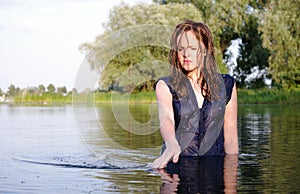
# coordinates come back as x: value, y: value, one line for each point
x: 197, y: 105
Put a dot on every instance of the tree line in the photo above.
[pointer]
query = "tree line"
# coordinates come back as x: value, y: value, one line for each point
x: 267, y: 32
x: 14, y: 91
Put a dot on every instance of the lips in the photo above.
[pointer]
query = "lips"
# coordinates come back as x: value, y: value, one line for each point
x: 187, y: 61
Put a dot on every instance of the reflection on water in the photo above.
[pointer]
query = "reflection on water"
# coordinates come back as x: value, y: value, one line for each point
x: 41, y: 151
x: 137, y: 130
x: 201, y: 175
x: 270, y: 146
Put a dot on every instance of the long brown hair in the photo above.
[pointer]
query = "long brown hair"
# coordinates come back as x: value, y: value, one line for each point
x: 207, y: 67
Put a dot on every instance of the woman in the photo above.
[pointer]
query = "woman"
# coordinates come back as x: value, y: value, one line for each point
x: 197, y: 106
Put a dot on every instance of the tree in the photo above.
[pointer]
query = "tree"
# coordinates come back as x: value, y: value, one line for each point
x: 204, y: 6
x: 252, y: 62
x: 32, y: 90
x: 135, y: 36
x: 224, y: 18
x: 13, y: 90
x: 41, y: 89
x: 62, y: 90
x: 280, y: 26
x: 231, y: 20
x: 74, y: 91
x: 51, y: 88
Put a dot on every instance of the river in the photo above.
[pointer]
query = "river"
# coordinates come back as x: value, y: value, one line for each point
x: 108, y: 149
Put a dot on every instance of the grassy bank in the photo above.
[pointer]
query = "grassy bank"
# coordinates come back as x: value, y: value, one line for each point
x: 245, y: 96
x: 268, y: 96
x: 141, y: 97
x: 43, y: 99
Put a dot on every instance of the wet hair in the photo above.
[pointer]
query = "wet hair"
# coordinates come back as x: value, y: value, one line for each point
x: 207, y: 67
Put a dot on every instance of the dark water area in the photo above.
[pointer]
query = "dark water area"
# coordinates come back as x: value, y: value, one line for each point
x: 108, y: 149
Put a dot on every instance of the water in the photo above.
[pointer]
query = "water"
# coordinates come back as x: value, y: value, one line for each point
x: 66, y: 149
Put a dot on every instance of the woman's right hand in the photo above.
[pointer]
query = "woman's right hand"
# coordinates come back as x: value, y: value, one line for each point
x: 171, y: 152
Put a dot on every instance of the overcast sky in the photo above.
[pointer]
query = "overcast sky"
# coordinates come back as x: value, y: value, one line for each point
x: 39, y: 39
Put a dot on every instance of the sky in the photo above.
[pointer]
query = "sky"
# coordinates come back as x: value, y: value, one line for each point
x: 40, y: 39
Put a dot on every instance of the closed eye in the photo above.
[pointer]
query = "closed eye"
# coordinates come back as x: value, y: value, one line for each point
x: 180, y: 49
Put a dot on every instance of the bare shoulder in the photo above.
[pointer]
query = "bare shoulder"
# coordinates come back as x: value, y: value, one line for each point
x: 162, y: 90
x: 233, y: 101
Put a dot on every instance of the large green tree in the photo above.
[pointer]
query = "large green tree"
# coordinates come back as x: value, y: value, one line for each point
x: 231, y: 20
x: 224, y: 18
x: 280, y: 26
x: 133, y: 50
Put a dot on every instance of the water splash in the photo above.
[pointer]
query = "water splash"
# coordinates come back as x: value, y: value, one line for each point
x: 82, y: 162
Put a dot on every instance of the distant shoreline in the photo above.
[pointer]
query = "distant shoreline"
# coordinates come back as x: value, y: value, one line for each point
x: 245, y: 96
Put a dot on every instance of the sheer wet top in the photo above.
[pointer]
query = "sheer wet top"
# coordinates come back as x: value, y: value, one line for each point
x: 190, y: 121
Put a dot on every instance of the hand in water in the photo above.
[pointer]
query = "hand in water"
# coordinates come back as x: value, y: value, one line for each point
x: 172, y: 151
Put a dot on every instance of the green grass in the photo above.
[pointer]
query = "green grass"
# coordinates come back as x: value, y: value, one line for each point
x: 268, y: 96
x: 45, y: 99
x: 140, y: 97
x: 245, y: 96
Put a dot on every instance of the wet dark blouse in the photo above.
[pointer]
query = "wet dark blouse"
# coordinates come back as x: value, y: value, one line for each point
x: 217, y: 149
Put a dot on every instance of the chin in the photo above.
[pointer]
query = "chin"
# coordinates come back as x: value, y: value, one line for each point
x: 188, y: 67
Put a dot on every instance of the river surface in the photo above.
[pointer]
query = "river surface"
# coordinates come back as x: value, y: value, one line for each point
x: 108, y: 149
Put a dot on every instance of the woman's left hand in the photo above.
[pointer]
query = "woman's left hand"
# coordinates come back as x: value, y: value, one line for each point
x: 172, y: 151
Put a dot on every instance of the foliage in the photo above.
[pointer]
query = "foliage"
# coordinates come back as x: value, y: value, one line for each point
x: 51, y: 88
x: 268, y: 96
x: 46, y: 98
x: 114, y: 97
x: 269, y: 30
x: 204, y: 6
x: 124, y: 16
x: 135, y: 44
x: 13, y: 91
x: 62, y: 90
x: 225, y: 20
x: 253, y: 57
x: 280, y: 26
x: 37, y: 95
x: 41, y: 89
x: 245, y: 96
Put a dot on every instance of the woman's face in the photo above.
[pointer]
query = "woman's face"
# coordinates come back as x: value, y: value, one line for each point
x: 188, y: 49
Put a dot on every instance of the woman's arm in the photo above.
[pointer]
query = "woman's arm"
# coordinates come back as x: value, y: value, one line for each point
x: 230, y: 125
x: 166, y: 119
x: 230, y: 173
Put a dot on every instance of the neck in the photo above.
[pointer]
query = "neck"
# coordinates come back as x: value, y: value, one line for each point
x: 193, y: 75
